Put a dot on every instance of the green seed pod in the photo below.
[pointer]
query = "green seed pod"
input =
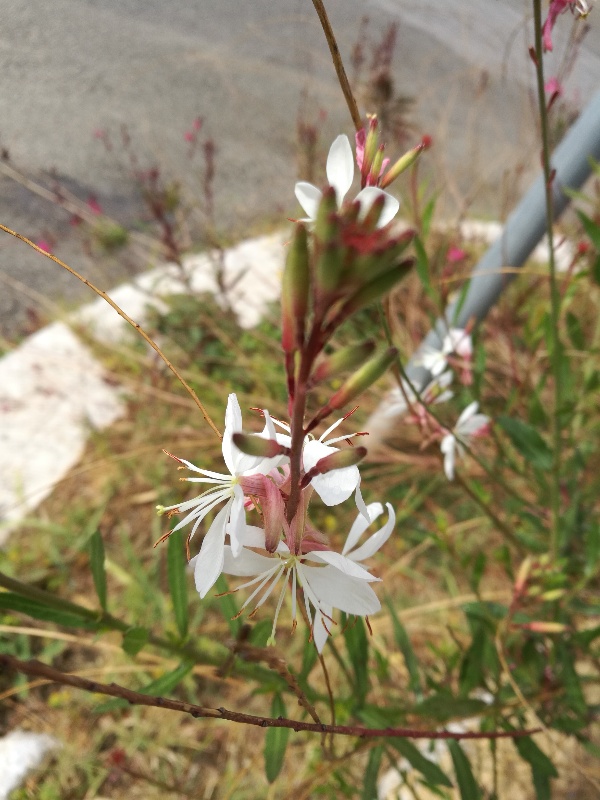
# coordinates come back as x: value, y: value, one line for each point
x: 375, y: 289
x: 257, y: 446
x: 363, y: 378
x: 326, y: 224
x: 345, y: 359
x: 294, y: 291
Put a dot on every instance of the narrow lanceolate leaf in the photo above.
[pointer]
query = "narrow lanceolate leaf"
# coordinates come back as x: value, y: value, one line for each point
x: 276, y: 741
x: 134, y: 640
x: 428, y: 769
x: 176, y: 574
x: 97, y: 558
x: 403, y: 642
x: 542, y: 769
x: 527, y: 441
x: 369, y: 791
x: 24, y: 605
x: 357, y: 645
x: 467, y: 784
x: 157, y: 688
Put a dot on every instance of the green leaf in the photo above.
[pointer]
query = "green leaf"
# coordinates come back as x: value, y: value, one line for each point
x: 369, y: 791
x: 591, y: 229
x: 422, y: 266
x: 96, y: 551
x: 428, y: 769
x: 575, y: 332
x: 169, y: 681
x: 542, y: 769
x: 403, y: 642
x: 16, y: 602
x: 161, y: 686
x: 134, y: 640
x: 357, y: 645
x: 176, y: 574
x: 527, y: 441
x: 464, y: 776
x: 427, y: 216
x: 443, y: 706
x: 276, y: 741
x: 596, y: 270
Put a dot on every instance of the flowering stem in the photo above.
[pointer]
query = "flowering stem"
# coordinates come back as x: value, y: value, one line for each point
x: 126, y: 317
x: 554, y: 291
x: 36, y: 669
x: 338, y: 64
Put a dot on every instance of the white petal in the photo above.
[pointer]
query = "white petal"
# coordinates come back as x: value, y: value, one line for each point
x: 309, y: 198
x: 331, y: 587
x: 340, y: 167
x: 367, y: 197
x: 237, y: 520
x: 247, y: 563
x: 209, y: 563
x: 360, y: 503
x: 377, y: 540
x: 314, y: 451
x: 253, y: 537
x: 233, y: 424
x: 360, y: 525
x: 336, y: 486
x: 469, y: 411
x: 341, y: 563
x: 448, y: 447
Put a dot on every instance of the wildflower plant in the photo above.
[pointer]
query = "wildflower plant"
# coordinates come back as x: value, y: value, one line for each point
x: 344, y: 256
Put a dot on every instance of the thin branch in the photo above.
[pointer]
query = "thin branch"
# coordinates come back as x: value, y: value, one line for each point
x: 338, y: 63
x: 126, y: 317
x: 35, y: 668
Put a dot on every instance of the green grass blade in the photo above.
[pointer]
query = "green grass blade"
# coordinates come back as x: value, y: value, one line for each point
x: 276, y: 740
x: 176, y: 574
x: 467, y: 784
x: 97, y: 565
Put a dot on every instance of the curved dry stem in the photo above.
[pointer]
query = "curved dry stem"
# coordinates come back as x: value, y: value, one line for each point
x: 338, y: 63
x: 35, y: 668
x: 127, y: 319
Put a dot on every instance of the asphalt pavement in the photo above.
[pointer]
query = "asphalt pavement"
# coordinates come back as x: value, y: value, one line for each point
x: 70, y: 68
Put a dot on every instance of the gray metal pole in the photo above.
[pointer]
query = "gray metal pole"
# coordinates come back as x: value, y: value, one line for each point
x: 523, y: 230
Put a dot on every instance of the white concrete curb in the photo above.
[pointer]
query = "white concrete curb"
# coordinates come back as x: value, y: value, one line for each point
x: 53, y: 392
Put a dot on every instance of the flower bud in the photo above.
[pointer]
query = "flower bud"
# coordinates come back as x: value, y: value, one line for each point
x: 345, y: 359
x: 374, y: 289
x: 329, y: 268
x: 544, y: 627
x: 371, y: 147
x: 363, y: 378
x: 326, y: 224
x: 404, y: 162
x: 338, y: 460
x: 294, y: 292
x: 254, y: 445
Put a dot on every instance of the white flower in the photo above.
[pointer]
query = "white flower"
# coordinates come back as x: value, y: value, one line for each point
x: 226, y: 488
x: 469, y: 424
x: 436, y: 391
x: 340, y: 174
x: 337, y: 580
x: 333, y: 487
x: 456, y: 341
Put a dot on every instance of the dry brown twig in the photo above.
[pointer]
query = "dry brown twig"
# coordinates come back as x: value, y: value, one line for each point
x: 35, y: 668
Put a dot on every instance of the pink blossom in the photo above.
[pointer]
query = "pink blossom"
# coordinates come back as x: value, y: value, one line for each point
x: 455, y: 254
x: 557, y: 7
x: 553, y: 86
x: 44, y: 245
x: 360, y: 139
x: 93, y: 205
x: 189, y: 136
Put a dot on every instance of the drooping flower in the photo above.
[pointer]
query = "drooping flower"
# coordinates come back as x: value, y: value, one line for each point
x: 557, y: 7
x: 470, y: 424
x: 227, y: 488
x: 328, y: 579
x: 333, y: 487
x: 458, y: 341
x: 340, y: 174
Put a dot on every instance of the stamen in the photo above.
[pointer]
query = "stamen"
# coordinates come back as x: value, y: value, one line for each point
x: 162, y: 539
